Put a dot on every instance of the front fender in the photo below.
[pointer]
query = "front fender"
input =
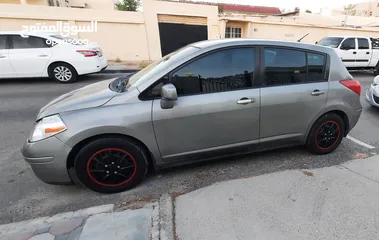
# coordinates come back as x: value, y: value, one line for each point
x: 132, y: 120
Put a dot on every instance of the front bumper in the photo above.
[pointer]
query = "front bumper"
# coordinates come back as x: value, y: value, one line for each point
x: 372, y: 96
x: 48, y: 159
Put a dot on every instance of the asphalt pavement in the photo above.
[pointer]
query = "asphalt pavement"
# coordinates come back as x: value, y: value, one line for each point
x: 23, y: 196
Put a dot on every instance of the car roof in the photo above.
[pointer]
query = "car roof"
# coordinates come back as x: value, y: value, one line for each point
x: 227, y: 42
x: 347, y: 36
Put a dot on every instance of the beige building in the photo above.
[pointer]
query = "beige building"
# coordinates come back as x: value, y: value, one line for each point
x: 164, y: 26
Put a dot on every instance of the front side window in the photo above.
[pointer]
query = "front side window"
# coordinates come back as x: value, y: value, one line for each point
x: 3, y: 42
x: 20, y: 42
x: 224, y: 70
x: 349, y: 43
x: 233, y: 32
x: 284, y: 66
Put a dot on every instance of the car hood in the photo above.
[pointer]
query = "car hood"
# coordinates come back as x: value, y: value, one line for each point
x: 93, y: 95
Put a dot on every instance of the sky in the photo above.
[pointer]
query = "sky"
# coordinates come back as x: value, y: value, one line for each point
x: 313, y: 5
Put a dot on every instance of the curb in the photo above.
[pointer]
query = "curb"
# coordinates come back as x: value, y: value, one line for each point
x: 166, y: 217
x: 120, y: 71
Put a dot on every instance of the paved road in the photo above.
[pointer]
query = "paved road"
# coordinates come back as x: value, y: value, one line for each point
x: 23, y: 196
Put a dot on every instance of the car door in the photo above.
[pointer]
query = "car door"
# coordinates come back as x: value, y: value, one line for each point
x: 6, y: 69
x: 364, y: 53
x: 292, y: 94
x: 217, y: 110
x: 347, y: 52
x: 29, y: 56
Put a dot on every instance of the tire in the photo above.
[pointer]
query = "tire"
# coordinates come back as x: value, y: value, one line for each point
x: 124, y: 161
x: 317, y: 142
x: 62, y: 72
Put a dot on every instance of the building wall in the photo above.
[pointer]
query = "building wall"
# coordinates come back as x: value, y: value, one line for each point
x: 37, y: 2
x: 134, y: 36
x: 10, y: 1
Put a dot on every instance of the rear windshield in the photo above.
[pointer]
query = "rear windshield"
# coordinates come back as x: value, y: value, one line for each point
x: 333, y: 42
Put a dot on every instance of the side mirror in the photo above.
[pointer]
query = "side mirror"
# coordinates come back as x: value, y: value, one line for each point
x: 344, y: 47
x: 316, y: 42
x: 169, y: 96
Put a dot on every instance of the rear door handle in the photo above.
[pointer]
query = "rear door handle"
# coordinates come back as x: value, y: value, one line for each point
x: 245, y: 101
x: 367, y: 52
x: 354, y: 52
x: 2, y: 56
x: 317, y: 93
x: 43, y: 55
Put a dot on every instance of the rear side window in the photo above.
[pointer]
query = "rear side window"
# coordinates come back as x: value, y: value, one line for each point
x: 20, y: 42
x: 287, y: 66
x: 316, y: 65
x: 363, y: 43
x: 3, y: 42
x: 284, y: 66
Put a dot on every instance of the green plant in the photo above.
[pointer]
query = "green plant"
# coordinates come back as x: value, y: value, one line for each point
x: 143, y: 64
x: 117, y: 60
x: 308, y: 11
x: 128, y: 5
x: 220, y: 8
x: 350, y: 9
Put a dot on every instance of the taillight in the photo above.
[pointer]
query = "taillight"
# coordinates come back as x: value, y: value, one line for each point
x: 353, y: 85
x: 87, y: 53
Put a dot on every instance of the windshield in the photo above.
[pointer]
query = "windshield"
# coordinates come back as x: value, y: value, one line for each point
x: 333, y: 42
x: 155, y: 67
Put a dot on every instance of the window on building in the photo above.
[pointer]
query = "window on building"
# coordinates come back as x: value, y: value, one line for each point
x: 225, y: 70
x: 3, y: 42
x: 233, y: 32
x: 20, y: 42
x: 287, y: 66
x: 363, y: 43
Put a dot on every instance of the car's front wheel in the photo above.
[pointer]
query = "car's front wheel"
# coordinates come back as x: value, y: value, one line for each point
x: 111, y: 165
x: 326, y: 134
x: 62, y: 72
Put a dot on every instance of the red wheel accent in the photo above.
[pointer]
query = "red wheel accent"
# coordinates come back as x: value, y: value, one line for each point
x: 336, y: 140
x: 111, y: 185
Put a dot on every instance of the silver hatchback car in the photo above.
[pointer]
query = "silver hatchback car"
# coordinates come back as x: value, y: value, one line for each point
x: 209, y: 99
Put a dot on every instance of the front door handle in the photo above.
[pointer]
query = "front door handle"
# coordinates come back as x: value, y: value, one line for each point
x: 2, y: 56
x: 43, y: 55
x: 367, y: 52
x: 354, y: 52
x: 317, y: 92
x: 245, y: 101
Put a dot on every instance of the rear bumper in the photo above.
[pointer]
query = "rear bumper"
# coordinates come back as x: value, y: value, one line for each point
x: 92, y: 65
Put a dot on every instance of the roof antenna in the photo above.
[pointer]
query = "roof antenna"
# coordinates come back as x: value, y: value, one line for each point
x: 302, y: 37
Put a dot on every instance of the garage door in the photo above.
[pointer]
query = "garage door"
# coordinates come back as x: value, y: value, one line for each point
x: 178, y: 31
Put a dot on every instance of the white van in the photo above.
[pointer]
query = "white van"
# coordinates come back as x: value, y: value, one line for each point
x: 24, y: 55
x: 356, y: 52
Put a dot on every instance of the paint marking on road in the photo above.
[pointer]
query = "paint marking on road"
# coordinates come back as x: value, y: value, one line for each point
x: 360, y: 142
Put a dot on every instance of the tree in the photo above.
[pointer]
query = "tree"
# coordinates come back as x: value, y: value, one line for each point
x: 308, y: 11
x: 128, y: 5
x: 350, y: 9
x: 220, y: 8
x: 297, y: 9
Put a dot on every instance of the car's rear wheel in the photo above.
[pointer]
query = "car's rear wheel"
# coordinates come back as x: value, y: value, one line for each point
x: 63, y: 73
x: 111, y: 165
x: 326, y: 134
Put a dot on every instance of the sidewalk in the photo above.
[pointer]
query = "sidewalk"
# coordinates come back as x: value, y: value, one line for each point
x: 121, y: 67
x: 339, y: 202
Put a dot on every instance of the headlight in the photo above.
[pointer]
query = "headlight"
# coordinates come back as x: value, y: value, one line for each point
x: 47, y: 127
x: 375, y: 82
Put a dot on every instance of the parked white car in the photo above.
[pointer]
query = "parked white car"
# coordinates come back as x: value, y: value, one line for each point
x: 27, y: 55
x: 356, y: 52
x: 372, y: 93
